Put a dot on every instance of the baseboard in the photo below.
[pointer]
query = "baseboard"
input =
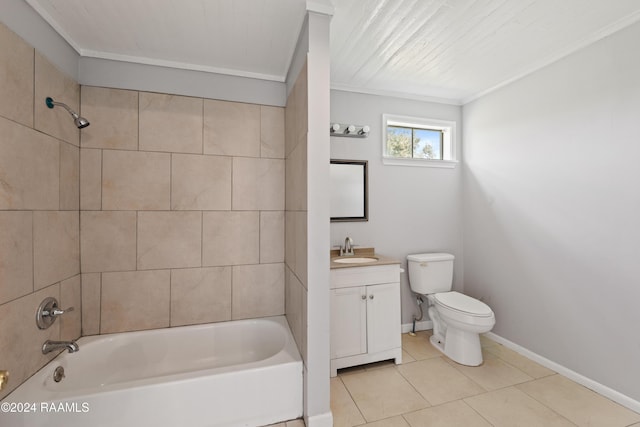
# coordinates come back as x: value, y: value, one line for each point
x: 602, y: 389
x: 420, y: 326
x: 320, y: 420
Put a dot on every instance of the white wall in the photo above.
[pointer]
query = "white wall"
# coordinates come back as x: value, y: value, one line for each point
x: 153, y: 78
x: 552, y: 208
x: 24, y: 21
x: 317, y: 404
x: 411, y: 209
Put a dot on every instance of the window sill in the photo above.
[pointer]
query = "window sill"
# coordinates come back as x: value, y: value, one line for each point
x: 424, y: 163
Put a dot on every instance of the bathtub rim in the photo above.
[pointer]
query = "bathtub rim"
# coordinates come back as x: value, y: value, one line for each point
x: 289, y: 354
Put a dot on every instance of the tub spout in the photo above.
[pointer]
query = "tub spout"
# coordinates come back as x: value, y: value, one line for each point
x: 50, y: 346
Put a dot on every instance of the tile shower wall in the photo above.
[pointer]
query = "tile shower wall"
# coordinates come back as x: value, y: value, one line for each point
x: 296, y: 112
x: 39, y: 206
x: 182, y: 210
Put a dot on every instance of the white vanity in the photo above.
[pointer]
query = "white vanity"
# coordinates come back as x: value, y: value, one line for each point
x: 365, y: 310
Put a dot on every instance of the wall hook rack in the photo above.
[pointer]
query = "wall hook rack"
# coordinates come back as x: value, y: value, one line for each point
x: 349, y: 131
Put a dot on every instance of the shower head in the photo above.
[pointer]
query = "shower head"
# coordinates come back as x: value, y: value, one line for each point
x: 80, y: 122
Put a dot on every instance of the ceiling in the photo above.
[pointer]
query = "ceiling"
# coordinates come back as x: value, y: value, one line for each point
x: 447, y: 50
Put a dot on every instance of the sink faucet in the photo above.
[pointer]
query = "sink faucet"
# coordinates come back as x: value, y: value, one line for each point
x: 50, y: 346
x: 348, y: 249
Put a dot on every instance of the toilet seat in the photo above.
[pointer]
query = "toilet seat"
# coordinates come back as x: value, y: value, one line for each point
x: 463, y: 304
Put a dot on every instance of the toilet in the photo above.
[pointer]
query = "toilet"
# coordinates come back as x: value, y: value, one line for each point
x: 457, y: 318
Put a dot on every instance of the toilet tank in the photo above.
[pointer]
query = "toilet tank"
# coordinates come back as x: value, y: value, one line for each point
x: 430, y: 273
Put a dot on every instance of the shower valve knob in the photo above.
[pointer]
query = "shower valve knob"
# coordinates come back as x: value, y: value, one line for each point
x: 48, y: 311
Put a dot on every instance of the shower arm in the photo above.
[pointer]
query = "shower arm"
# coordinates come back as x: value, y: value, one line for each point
x: 51, y: 103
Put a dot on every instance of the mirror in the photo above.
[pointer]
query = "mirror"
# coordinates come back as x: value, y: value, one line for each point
x: 349, y: 193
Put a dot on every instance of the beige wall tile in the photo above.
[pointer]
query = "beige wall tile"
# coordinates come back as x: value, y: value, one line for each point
x: 296, y: 243
x: 170, y: 123
x: 301, y: 246
x: 230, y: 238
x: 271, y: 237
x: 296, y: 178
x: 56, y: 246
x: 113, y: 114
x: 16, y: 254
x: 302, y: 108
x: 272, y: 132
x: 108, y: 241
x: 169, y: 240
x: 134, y: 180
x: 23, y: 149
x: 135, y: 300
x: 200, y: 182
x: 293, y: 305
x: 289, y: 239
x: 69, y: 177
x: 90, y: 179
x: 200, y: 295
x: 91, y: 290
x: 258, y: 290
x: 51, y: 82
x: 290, y: 123
x: 258, y: 184
x: 231, y: 128
x: 305, y: 324
x: 16, y: 77
x: 23, y: 357
x: 70, y: 296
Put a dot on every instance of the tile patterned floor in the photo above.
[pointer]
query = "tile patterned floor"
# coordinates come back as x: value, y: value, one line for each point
x: 429, y: 390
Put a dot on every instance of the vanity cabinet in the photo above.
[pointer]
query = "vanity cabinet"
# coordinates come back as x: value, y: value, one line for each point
x: 365, y: 315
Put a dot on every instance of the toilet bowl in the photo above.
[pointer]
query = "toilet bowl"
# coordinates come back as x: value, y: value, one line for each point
x: 463, y: 318
x: 457, y: 319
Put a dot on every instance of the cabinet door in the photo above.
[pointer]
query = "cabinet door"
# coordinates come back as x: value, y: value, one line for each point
x: 348, y: 321
x: 383, y: 317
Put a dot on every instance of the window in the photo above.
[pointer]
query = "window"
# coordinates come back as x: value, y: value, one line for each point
x: 414, y: 141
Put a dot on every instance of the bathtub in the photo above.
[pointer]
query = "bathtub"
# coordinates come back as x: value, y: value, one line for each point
x: 238, y: 373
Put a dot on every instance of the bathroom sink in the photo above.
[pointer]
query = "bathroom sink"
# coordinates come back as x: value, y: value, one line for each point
x: 355, y: 260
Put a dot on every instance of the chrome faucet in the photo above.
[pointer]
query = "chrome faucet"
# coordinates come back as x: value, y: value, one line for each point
x: 50, y: 346
x: 348, y: 248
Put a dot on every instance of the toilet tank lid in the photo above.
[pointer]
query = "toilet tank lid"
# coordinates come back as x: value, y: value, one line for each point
x: 430, y: 257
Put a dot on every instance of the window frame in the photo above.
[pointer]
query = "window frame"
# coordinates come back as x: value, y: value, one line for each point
x: 447, y: 127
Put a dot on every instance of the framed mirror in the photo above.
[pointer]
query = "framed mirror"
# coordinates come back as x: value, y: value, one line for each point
x: 349, y: 192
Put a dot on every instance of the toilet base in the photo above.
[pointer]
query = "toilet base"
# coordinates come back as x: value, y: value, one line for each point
x: 460, y: 346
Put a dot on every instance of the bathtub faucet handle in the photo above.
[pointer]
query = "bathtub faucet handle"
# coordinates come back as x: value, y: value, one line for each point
x: 58, y: 312
x: 48, y: 311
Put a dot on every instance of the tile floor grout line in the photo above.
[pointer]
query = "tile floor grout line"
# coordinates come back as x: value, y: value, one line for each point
x: 474, y: 409
x: 353, y: 400
x: 502, y: 362
x: 545, y: 405
x: 431, y: 405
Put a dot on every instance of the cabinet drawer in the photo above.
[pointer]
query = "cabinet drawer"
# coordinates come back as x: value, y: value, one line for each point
x: 370, y: 275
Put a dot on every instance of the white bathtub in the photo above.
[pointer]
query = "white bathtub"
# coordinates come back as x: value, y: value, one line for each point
x: 239, y: 373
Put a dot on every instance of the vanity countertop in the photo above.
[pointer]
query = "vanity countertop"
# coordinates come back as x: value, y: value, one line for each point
x: 361, y: 252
